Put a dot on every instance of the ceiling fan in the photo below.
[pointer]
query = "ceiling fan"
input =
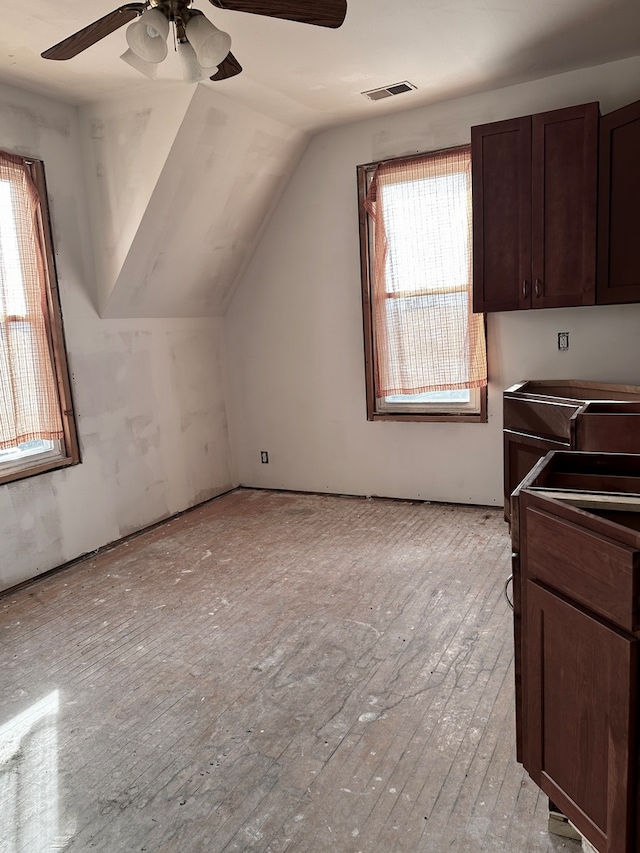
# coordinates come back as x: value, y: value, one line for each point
x: 202, y: 47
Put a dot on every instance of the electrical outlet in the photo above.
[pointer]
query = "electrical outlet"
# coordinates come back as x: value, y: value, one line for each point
x: 264, y: 457
x: 563, y: 340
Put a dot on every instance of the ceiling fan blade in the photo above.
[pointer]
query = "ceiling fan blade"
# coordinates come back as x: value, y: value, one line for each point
x: 321, y: 13
x: 84, y: 38
x: 229, y: 67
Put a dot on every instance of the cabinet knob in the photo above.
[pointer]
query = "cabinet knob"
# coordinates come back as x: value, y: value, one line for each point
x: 538, y: 287
x: 525, y: 288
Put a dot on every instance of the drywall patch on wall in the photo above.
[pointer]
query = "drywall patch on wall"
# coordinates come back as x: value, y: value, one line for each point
x: 152, y: 416
x: 30, y: 125
x: 262, y: 169
x: 30, y: 527
x: 205, y: 446
x: 125, y: 134
x: 59, y: 125
x: 116, y: 402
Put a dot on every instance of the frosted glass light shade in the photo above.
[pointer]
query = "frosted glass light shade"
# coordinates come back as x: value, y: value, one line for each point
x: 192, y: 72
x: 149, y: 69
x: 147, y: 37
x: 210, y: 44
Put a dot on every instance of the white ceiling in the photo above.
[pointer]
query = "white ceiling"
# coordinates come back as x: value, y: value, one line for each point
x: 310, y: 77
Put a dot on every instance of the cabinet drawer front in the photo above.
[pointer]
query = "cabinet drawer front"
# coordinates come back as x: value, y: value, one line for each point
x: 613, y: 433
x: 542, y: 418
x: 596, y: 572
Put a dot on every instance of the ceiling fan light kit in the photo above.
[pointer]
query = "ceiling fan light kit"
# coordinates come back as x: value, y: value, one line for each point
x: 149, y: 69
x: 210, y: 44
x: 147, y: 37
x: 192, y: 71
x: 201, y: 46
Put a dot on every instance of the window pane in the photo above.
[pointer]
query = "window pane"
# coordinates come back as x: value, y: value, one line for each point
x: 12, y: 298
x: 27, y: 448
x: 416, y: 335
x: 427, y: 233
x: 463, y: 395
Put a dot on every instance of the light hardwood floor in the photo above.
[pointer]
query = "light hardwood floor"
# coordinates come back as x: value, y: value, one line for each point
x: 270, y: 672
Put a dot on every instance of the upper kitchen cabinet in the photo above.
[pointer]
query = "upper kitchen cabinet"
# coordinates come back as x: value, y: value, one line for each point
x: 619, y: 207
x: 534, y: 210
x: 501, y: 195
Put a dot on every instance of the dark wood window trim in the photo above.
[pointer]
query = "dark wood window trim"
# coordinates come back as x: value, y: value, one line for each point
x: 70, y: 454
x: 364, y: 173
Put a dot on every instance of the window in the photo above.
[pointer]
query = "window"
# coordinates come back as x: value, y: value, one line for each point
x: 37, y: 430
x: 425, y: 351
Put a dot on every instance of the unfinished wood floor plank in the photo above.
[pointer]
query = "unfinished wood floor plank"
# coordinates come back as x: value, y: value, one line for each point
x: 271, y: 672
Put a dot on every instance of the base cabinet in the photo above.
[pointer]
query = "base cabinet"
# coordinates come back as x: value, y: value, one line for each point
x: 544, y: 415
x: 576, y: 540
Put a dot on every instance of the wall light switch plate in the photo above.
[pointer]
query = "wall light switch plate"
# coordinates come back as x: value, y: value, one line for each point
x: 563, y: 340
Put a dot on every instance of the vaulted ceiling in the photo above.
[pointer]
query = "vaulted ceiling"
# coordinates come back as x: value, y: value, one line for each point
x: 181, y: 178
x: 310, y: 76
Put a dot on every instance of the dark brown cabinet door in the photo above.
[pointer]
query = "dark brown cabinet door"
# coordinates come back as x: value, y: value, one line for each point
x: 534, y: 210
x: 501, y: 195
x: 564, y: 187
x: 619, y: 207
x: 578, y: 686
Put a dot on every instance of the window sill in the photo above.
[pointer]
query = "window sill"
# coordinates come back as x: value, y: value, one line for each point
x: 50, y: 464
x: 476, y: 418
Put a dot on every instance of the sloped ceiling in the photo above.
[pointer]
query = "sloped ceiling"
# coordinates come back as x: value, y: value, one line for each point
x: 176, y: 215
x: 181, y: 179
x: 126, y: 143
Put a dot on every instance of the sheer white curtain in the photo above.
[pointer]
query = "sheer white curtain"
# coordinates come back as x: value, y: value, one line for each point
x: 29, y: 404
x: 426, y: 336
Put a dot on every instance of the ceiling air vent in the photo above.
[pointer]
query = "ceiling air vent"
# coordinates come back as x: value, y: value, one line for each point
x: 388, y: 91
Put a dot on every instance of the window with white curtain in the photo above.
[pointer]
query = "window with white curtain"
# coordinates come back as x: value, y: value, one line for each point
x: 425, y: 350
x: 37, y: 429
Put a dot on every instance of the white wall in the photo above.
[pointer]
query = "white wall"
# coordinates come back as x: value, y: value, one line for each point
x: 294, y: 327
x: 150, y: 395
